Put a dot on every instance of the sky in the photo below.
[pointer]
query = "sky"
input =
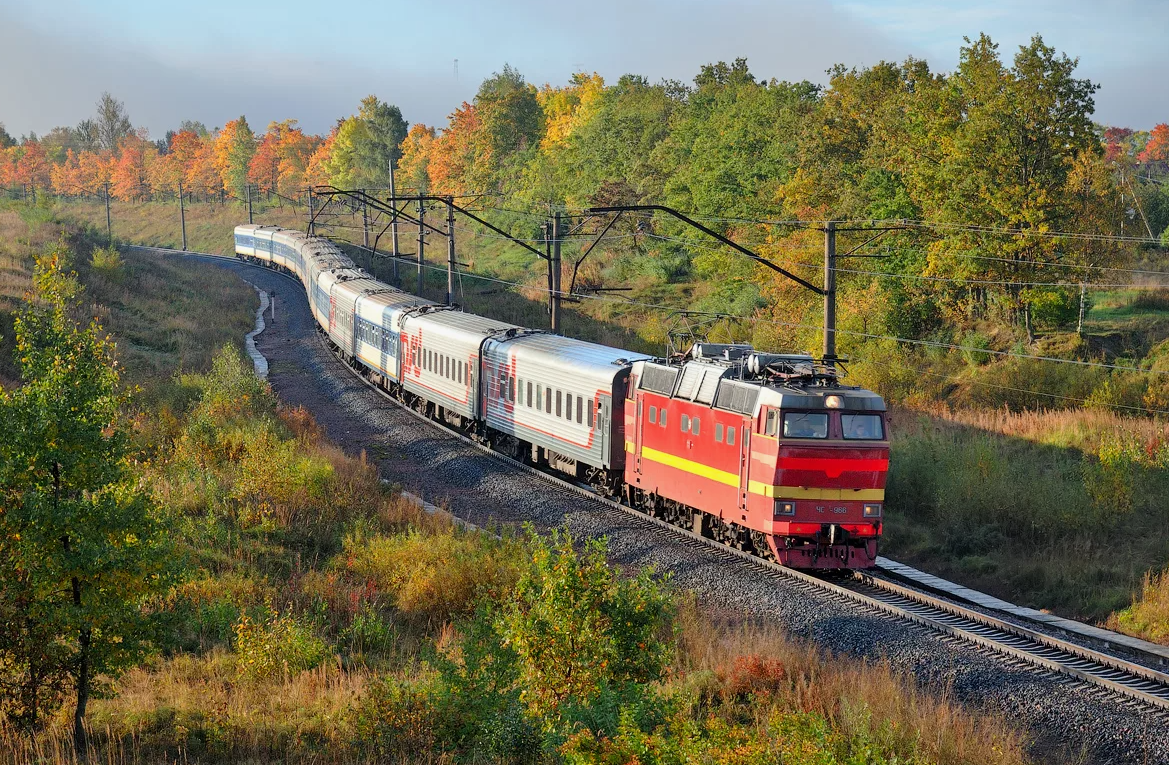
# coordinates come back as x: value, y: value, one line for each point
x: 217, y: 59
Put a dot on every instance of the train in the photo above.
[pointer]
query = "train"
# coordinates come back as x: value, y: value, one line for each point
x: 769, y: 453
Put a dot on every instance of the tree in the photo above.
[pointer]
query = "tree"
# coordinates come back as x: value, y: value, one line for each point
x: 33, y: 166
x: 85, y: 135
x: 83, y: 547
x: 1156, y: 150
x: 129, y: 178
x: 380, y: 142
x: 413, y: 165
x: 234, y: 147
x: 6, y: 140
x: 112, y: 123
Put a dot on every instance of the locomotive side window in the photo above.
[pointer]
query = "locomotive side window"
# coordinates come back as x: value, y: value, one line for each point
x: 579, y: 409
x: 718, y: 432
x: 695, y: 425
x: 590, y: 414
x: 862, y: 427
x: 529, y: 394
x: 805, y: 425
x: 769, y: 428
x: 685, y: 423
x: 731, y: 436
x: 662, y: 420
x: 653, y: 415
x: 559, y: 402
x: 548, y: 401
x: 568, y: 406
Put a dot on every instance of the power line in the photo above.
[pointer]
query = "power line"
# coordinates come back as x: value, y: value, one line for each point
x: 797, y: 325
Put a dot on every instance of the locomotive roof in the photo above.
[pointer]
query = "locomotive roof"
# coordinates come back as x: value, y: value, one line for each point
x: 570, y: 353
x: 729, y: 386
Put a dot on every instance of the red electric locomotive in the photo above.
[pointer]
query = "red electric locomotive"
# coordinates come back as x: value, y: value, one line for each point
x: 766, y: 452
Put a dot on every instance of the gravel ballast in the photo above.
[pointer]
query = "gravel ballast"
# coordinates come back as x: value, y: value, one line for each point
x: 1063, y: 719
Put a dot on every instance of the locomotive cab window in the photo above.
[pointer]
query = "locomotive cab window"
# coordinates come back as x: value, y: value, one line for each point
x: 805, y: 425
x: 769, y: 427
x: 862, y: 427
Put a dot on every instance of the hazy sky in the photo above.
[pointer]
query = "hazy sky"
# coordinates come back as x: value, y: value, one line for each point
x: 216, y: 59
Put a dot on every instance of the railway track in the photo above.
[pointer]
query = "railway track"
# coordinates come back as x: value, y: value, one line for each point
x: 1033, y: 647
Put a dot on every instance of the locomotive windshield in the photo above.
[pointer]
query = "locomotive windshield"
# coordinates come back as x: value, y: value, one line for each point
x: 862, y: 427
x: 805, y: 425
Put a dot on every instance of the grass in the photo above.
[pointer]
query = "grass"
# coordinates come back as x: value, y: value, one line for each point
x: 1148, y: 616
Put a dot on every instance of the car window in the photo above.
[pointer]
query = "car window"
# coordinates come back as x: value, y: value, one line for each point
x: 862, y: 427
x: 805, y: 425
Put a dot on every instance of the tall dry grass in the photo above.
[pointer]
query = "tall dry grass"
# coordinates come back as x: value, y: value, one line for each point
x: 1148, y: 616
x: 869, y: 700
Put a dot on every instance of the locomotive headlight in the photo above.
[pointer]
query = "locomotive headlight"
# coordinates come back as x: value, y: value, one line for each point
x: 833, y: 402
x: 872, y: 511
x: 784, y: 508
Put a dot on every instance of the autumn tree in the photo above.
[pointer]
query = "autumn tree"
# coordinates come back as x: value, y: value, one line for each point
x: 32, y: 167
x: 83, y: 547
x: 1157, y: 147
x: 413, y: 165
x: 6, y: 140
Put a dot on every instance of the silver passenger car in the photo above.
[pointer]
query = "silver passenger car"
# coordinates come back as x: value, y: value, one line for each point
x: 441, y: 350
x: 558, y: 393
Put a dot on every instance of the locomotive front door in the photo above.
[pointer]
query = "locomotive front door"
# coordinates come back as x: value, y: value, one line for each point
x: 637, y: 439
x: 744, y: 467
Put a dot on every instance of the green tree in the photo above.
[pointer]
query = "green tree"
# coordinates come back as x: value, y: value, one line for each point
x: 379, y: 145
x: 82, y: 544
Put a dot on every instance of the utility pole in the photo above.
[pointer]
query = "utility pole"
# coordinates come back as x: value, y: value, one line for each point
x: 393, y: 224
x: 421, y: 240
x: 248, y: 191
x: 554, y: 265
x: 309, y: 229
x: 109, y: 226
x: 364, y: 222
x: 182, y: 216
x: 450, y: 251
x: 830, y: 292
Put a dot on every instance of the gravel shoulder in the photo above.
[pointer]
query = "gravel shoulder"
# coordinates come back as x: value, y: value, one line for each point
x: 1065, y: 722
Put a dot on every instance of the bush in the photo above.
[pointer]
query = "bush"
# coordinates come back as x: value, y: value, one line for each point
x: 578, y: 628
x: 1053, y: 307
x: 434, y: 576
x: 279, y: 645
x: 108, y: 261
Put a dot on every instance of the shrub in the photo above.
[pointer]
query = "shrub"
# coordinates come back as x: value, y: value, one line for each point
x: 434, y: 576
x: 279, y: 645
x: 108, y: 261
x: 577, y: 627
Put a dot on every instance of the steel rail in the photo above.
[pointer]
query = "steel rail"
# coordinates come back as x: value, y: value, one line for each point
x: 1093, y: 667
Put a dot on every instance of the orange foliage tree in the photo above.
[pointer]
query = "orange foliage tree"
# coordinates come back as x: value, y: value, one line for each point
x: 32, y: 168
x: 128, y: 179
x: 1157, y: 149
x: 454, y: 153
x: 415, y: 157
x: 66, y: 176
x: 317, y: 171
